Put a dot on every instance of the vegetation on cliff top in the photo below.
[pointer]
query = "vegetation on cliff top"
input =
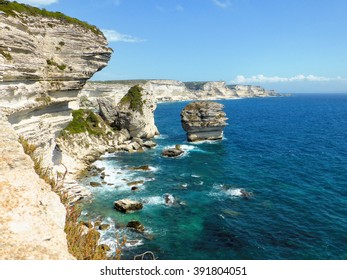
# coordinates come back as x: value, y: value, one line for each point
x: 13, y: 8
x: 133, y: 98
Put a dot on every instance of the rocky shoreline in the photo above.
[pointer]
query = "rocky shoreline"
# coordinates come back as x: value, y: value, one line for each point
x: 45, y: 63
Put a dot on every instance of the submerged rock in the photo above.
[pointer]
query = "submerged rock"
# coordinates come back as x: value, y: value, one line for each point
x: 136, y: 225
x: 135, y: 183
x: 95, y: 184
x: 245, y: 194
x: 203, y: 120
x: 141, y: 168
x: 126, y: 205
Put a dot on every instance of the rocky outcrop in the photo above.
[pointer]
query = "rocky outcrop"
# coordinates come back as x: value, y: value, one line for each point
x: 136, y: 225
x: 32, y: 219
x: 172, y: 152
x: 127, y: 205
x: 134, y: 112
x: 203, y: 120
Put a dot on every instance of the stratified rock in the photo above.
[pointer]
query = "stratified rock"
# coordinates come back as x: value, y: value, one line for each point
x: 203, y: 120
x: 136, y: 225
x: 46, y: 58
x: 134, y: 112
x: 126, y: 205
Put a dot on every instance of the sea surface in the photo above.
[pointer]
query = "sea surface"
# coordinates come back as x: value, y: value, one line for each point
x: 289, y: 153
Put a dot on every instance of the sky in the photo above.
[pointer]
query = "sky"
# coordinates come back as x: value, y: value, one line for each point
x: 287, y: 45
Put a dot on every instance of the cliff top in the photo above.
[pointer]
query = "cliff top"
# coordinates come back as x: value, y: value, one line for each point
x: 14, y: 9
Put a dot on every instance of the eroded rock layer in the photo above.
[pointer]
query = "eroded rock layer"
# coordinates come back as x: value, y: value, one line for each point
x: 203, y: 120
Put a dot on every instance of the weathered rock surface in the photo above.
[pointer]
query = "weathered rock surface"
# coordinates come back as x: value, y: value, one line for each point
x: 203, y: 120
x: 134, y: 112
x: 44, y: 62
x: 47, y: 59
x: 32, y: 219
x: 127, y: 205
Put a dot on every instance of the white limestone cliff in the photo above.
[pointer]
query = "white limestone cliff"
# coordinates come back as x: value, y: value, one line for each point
x: 170, y: 91
x: 44, y: 62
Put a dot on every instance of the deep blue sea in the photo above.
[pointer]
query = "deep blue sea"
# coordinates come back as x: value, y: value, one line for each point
x: 290, y: 153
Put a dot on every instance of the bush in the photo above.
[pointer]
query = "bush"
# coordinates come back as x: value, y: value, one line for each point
x: 51, y: 62
x: 133, y: 98
x: 84, y: 120
x: 7, y: 55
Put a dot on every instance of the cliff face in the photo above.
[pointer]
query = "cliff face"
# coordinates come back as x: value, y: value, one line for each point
x: 32, y: 219
x: 170, y: 90
x: 45, y: 59
x: 44, y: 62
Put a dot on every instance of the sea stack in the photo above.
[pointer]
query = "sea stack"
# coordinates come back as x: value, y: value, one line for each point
x: 203, y: 120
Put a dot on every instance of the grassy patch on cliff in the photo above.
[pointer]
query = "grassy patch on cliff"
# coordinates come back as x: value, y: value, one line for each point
x: 12, y: 8
x: 133, y: 98
x: 85, y: 120
x: 6, y: 55
x: 51, y: 62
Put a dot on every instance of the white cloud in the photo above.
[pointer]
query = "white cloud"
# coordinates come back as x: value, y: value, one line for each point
x: 222, y: 3
x: 38, y: 2
x: 115, y: 36
x: 240, y: 79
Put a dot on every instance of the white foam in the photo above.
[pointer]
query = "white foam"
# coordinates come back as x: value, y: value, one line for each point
x: 195, y: 176
x: 161, y: 136
x: 234, y: 192
x: 134, y: 243
x: 220, y: 191
x: 154, y: 200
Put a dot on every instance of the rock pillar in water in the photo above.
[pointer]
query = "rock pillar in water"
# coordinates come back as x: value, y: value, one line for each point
x: 203, y: 120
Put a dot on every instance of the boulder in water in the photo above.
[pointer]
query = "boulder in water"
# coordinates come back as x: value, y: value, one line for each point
x: 127, y: 205
x: 136, y: 225
x: 203, y: 120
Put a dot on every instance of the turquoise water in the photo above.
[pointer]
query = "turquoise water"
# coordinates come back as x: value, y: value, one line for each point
x: 290, y: 153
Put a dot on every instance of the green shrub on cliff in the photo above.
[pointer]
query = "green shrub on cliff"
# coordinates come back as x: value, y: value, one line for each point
x: 12, y: 8
x: 133, y: 98
x: 84, y: 121
x: 6, y: 55
x: 51, y: 62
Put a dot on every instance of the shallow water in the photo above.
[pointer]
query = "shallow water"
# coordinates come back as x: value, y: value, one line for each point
x: 290, y: 153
